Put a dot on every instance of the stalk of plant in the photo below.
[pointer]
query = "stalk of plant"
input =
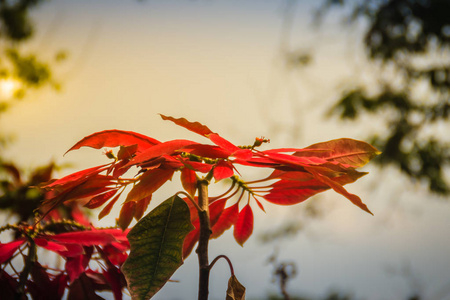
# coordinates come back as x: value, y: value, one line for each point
x: 205, y: 233
x: 165, y: 236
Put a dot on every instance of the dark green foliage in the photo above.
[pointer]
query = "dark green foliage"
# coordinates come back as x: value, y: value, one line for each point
x: 19, y: 197
x: 405, y: 26
x: 14, y: 19
x: 26, y: 69
x: 29, y: 69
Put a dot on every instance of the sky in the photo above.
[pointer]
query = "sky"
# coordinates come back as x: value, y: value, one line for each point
x: 220, y: 63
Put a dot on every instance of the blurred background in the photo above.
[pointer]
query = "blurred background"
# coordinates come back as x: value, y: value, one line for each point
x: 297, y: 72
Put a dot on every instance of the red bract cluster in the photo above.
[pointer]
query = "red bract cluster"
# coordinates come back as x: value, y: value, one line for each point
x: 297, y: 175
x: 78, y: 248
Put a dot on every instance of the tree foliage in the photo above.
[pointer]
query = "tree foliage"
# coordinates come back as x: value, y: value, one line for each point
x: 25, y: 69
x: 409, y: 41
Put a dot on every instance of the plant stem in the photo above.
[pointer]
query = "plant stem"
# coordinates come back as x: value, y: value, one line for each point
x: 205, y: 232
x: 228, y: 261
x: 189, y: 197
x: 28, y: 264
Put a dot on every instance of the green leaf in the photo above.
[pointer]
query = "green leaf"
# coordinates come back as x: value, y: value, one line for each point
x: 156, y: 243
x: 235, y: 291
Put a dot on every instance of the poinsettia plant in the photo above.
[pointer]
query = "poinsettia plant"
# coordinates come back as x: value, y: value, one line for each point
x: 79, y: 247
x: 164, y: 237
x: 66, y: 232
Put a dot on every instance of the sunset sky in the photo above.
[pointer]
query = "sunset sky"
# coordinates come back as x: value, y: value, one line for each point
x: 220, y: 63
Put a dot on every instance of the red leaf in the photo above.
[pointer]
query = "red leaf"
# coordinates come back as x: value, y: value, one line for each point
x: 114, y: 278
x: 95, y: 182
x: 192, y: 126
x: 40, y: 276
x: 59, y: 284
x: 349, y: 178
x: 215, y: 211
x: 113, y: 138
x: 75, y: 178
x: 244, y: 225
x: 339, y: 189
x: 126, y: 152
x: 226, y: 220
x: 66, y: 250
x: 126, y: 214
x: 292, y: 160
x: 232, y: 150
x: 209, y: 151
x: 118, y: 234
x: 141, y: 207
x: 83, y: 288
x: 345, y: 151
x: 42, y: 286
x: 291, y: 196
x: 116, y: 256
x: 258, y: 162
x: 223, y: 169
x: 8, y: 285
x: 86, y: 190
x: 191, y: 239
x: 295, y: 187
x: 309, y: 151
x: 192, y: 209
x: 76, y: 265
x: 166, y: 148
x: 149, y: 182
x: 170, y: 162
x: 120, y: 169
x: 244, y: 154
x: 8, y: 249
x: 99, y: 200
x: 74, y: 268
x: 189, y: 181
x: 291, y: 175
x: 52, y: 246
x: 85, y: 238
x: 96, y: 185
x: 198, y: 166
x: 107, y: 209
x: 72, y: 250
x: 223, y: 143
x: 79, y: 215
x: 259, y: 204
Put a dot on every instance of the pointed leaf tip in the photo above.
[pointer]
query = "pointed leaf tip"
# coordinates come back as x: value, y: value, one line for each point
x: 235, y: 291
x: 114, y: 138
x: 223, y: 169
x: 192, y: 126
x: 346, y: 151
x: 338, y: 188
x: 243, y: 227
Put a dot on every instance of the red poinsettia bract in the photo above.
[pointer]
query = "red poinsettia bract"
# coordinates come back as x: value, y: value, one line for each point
x: 297, y: 175
x: 78, y: 248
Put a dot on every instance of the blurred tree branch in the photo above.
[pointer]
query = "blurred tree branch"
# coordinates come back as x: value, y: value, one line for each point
x: 409, y: 41
x: 20, y: 70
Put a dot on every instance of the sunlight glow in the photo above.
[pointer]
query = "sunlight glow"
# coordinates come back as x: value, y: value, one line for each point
x: 8, y: 88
